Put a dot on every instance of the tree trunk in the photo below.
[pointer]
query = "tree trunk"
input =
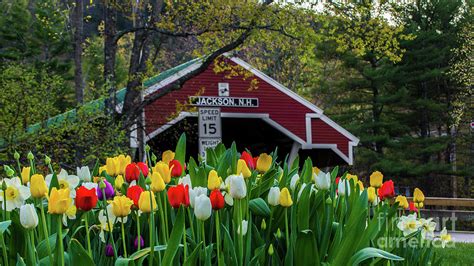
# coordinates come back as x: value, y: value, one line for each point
x: 77, y: 22
x: 110, y: 50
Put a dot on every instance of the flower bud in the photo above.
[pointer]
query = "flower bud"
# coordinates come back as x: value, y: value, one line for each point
x: 109, y: 250
x: 329, y: 201
x: 16, y: 155
x: 278, y: 233
x: 102, y: 184
x: 147, y: 148
x: 270, y: 250
x: 8, y: 171
x: 4, y: 185
x: 47, y: 160
x: 148, y: 181
x: 263, y: 226
x: 30, y: 156
x: 153, y: 158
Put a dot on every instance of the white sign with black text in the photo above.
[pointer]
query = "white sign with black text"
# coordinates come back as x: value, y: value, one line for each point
x: 210, y: 130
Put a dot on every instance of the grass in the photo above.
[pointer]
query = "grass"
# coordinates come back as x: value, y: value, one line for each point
x: 460, y: 254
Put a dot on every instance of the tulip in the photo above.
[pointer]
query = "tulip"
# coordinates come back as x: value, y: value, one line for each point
x: 109, y: 191
x: 412, y: 207
x: 143, y: 168
x: 353, y: 177
x: 144, y: 202
x: 122, y: 161
x: 371, y: 194
x: 274, y: 196
x: 248, y: 159
x: 243, y: 169
x: 112, y: 167
x: 264, y: 162
x: 238, y: 189
x: 28, y: 216
x: 402, y: 202
x: 38, y: 187
x: 244, y: 225
x: 316, y: 170
x: 361, y: 185
x: 217, y: 199
x: 59, y: 201
x: 135, y: 243
x: 418, y: 198
x: 167, y: 156
x: 178, y: 195
x: 176, y: 168
x: 196, y: 192
x: 109, y: 250
x: 25, y: 175
x: 157, y: 183
x: 132, y: 172
x: 294, y: 181
x: 118, y: 183
x: 86, y: 199
x: 202, y: 207
x: 83, y: 173
x: 213, y: 180
x: 164, y: 170
x: 343, y: 188
x: 387, y: 190
x: 134, y: 193
x: 270, y: 250
x: 376, y: 179
x: 185, y: 180
x: 285, y: 198
x: 121, y: 206
x: 322, y: 180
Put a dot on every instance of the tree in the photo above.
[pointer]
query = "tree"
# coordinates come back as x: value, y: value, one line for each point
x: 77, y: 21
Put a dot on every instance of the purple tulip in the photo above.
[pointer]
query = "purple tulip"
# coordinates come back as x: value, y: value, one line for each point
x: 142, y: 242
x: 109, y: 250
x: 109, y: 191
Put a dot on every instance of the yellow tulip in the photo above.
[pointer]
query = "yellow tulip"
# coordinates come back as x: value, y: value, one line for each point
x: 164, y: 170
x: 376, y: 179
x: 122, y: 162
x: 418, y: 198
x: 167, y: 156
x: 353, y: 177
x: 59, y: 201
x: 243, y: 169
x: 371, y: 194
x: 157, y: 183
x: 119, y: 181
x: 112, y: 166
x: 144, y: 202
x: 102, y: 168
x: 285, y: 198
x: 264, y: 162
x: 361, y: 185
x: 316, y: 170
x: 121, y: 206
x: 402, y: 201
x: 213, y: 180
x: 38, y: 187
x: 25, y: 175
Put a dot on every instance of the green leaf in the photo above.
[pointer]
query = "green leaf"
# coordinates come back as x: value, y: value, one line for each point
x: 20, y: 261
x: 369, y: 252
x: 54, y: 182
x: 78, y: 254
x: 124, y: 262
x: 180, y: 152
x: 191, y: 259
x: 305, y: 248
x: 42, y: 248
x: 175, y: 238
x: 4, y: 226
x: 145, y: 251
x: 259, y: 207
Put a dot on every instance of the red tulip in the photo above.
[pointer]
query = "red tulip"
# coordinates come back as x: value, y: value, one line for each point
x: 412, y: 207
x: 132, y: 172
x: 337, y: 180
x: 133, y: 193
x: 144, y: 168
x: 86, y: 199
x: 248, y: 159
x: 217, y: 200
x: 387, y: 190
x: 176, y: 168
x: 178, y: 195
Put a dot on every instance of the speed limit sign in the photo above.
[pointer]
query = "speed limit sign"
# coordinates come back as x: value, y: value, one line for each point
x: 210, y: 132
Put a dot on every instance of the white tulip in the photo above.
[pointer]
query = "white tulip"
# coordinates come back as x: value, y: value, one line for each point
x: 245, y: 225
x: 344, y: 188
x: 322, y: 180
x: 274, y: 196
x: 28, y: 216
x: 194, y: 193
x: 185, y: 180
x: 238, y: 189
x: 203, y: 207
x: 294, y: 181
x: 84, y: 173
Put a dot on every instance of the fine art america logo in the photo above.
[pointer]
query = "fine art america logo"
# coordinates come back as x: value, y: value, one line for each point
x: 223, y: 101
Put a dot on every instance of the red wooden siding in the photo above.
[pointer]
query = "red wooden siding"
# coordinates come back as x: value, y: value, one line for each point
x: 323, y: 133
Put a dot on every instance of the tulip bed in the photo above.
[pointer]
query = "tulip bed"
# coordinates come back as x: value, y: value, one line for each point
x: 231, y: 209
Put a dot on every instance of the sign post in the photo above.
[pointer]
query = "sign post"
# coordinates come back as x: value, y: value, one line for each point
x: 210, y: 129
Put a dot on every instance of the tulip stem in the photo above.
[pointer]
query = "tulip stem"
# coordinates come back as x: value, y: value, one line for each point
x: 138, y: 231
x: 60, y: 239
x: 184, y: 241
x: 191, y: 223
x: 270, y: 225
x: 162, y: 219
x: 45, y: 231
x: 204, y: 239
x: 86, y: 220
x: 241, y: 234
x: 123, y: 239
x: 152, y: 244
x: 4, y: 250
x: 111, y: 226
x: 165, y: 214
x: 286, y: 231
x: 218, y: 238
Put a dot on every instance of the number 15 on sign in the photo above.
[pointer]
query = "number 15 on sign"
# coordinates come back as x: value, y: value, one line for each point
x: 209, y: 122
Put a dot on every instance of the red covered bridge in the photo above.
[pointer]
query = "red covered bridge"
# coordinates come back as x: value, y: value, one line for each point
x: 281, y: 119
